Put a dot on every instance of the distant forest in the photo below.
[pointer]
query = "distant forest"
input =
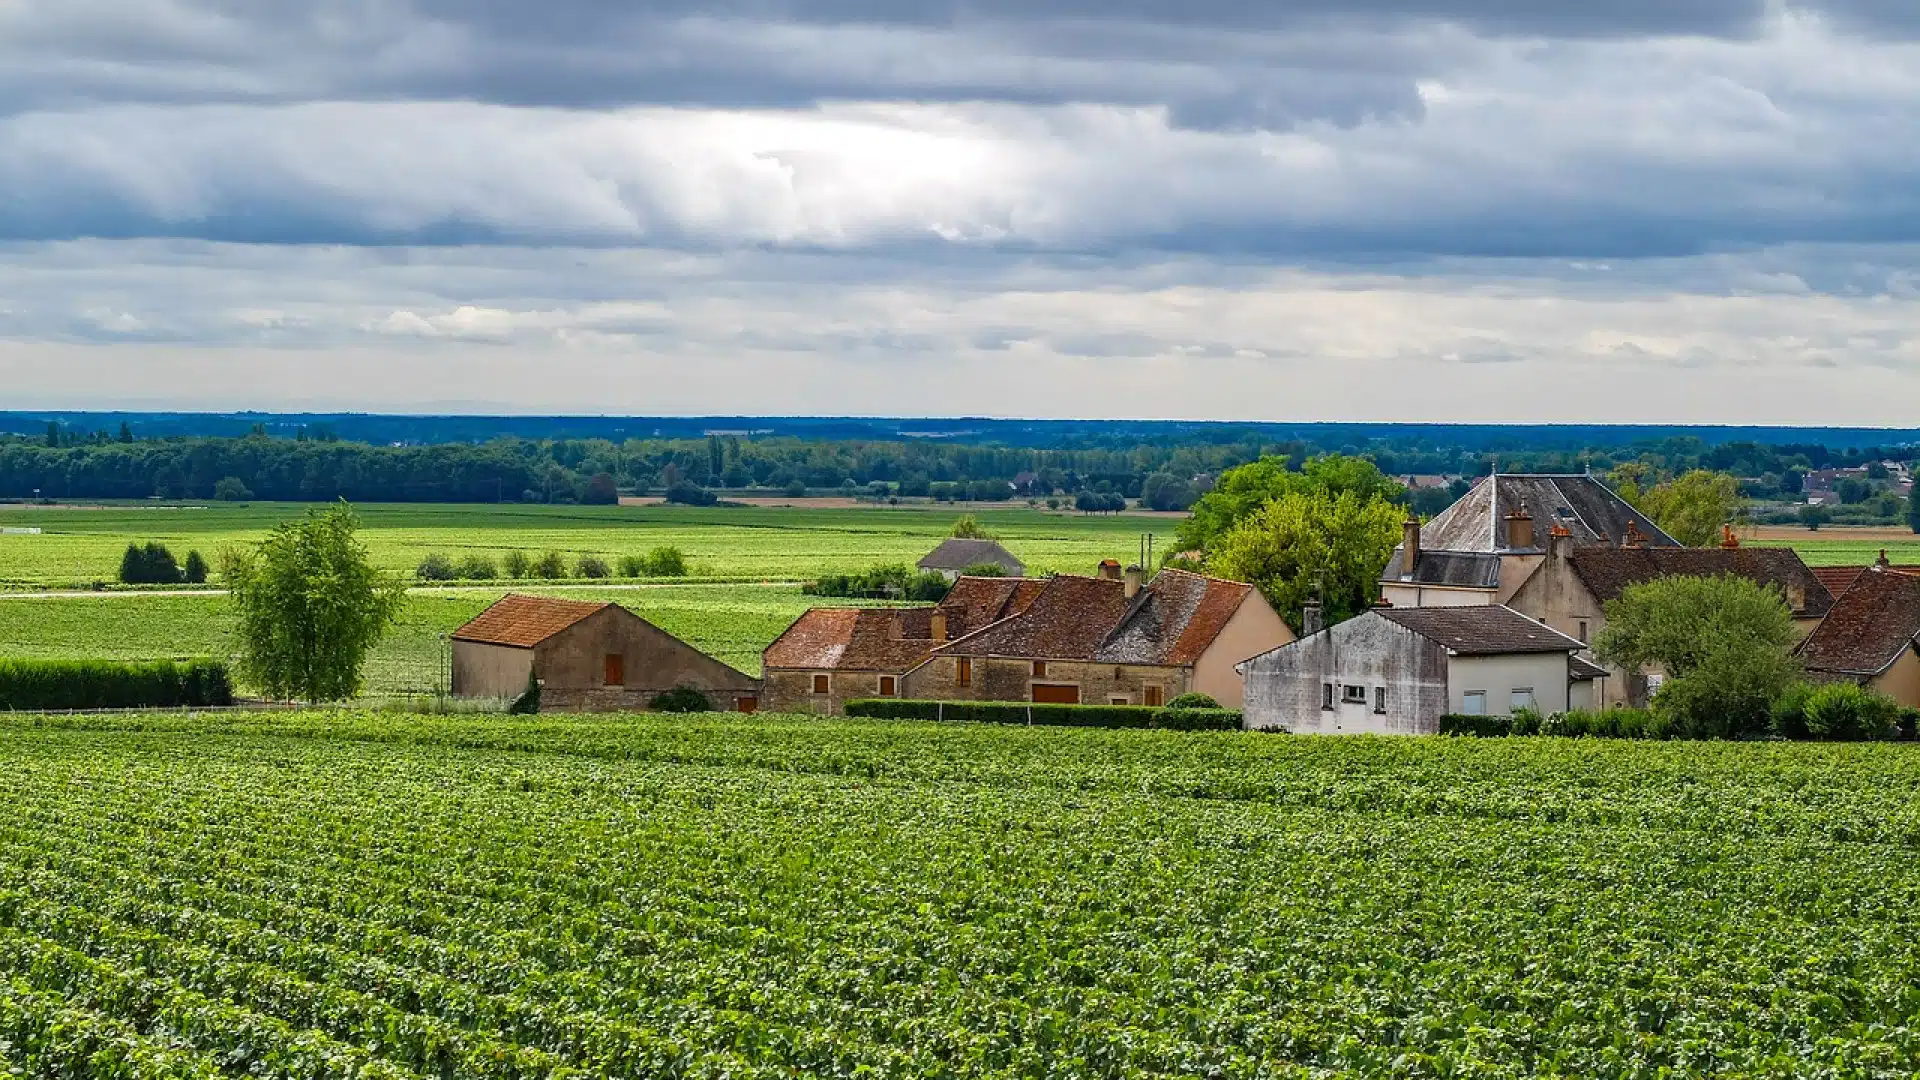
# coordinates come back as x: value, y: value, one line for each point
x: 1166, y: 465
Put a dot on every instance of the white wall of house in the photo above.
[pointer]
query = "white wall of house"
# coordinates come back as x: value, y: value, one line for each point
x: 1406, y: 594
x: 1497, y: 677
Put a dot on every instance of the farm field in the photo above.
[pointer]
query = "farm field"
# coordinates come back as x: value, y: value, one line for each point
x: 368, y: 895
x: 733, y: 622
x: 79, y: 546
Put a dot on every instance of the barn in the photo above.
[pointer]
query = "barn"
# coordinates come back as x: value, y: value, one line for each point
x: 587, y: 656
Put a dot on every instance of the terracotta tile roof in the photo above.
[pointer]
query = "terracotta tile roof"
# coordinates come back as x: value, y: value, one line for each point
x: 1481, y: 630
x: 1837, y: 579
x: 1174, y: 620
x: 853, y: 639
x: 524, y: 621
x: 1869, y: 627
x: 1607, y: 571
x: 975, y: 602
x: 958, y: 554
x: 1069, y: 620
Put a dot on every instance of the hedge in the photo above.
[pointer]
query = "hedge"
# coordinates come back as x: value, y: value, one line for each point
x: 1020, y: 712
x: 105, y: 684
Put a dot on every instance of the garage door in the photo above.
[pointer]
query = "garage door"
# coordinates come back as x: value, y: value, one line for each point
x: 1053, y: 694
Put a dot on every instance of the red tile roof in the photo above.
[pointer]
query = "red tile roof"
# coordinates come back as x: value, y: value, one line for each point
x: 1869, y: 627
x: 853, y: 639
x: 1172, y: 622
x: 1175, y: 620
x: 975, y: 602
x: 524, y: 621
x: 1068, y: 620
x: 1837, y: 579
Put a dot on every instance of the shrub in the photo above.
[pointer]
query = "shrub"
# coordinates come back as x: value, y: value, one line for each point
x: 1020, y: 712
x: 796, y: 490
x: 1525, y: 721
x: 663, y: 562
x: 686, y: 494
x: 231, y: 489
x: 1846, y: 712
x: 1481, y: 724
x: 551, y: 566
x: 528, y: 702
x: 101, y: 684
x: 517, y: 564
x: 477, y: 567
x: 1192, y: 700
x: 149, y: 564
x: 882, y: 583
x: 435, y: 567
x: 969, y: 528
x: 984, y: 569
x: 631, y: 565
x: 195, y: 570
x: 600, y: 490
x: 681, y: 699
x: 592, y: 566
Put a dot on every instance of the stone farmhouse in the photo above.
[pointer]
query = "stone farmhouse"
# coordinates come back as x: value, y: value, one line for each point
x: 586, y: 656
x: 1871, y: 635
x: 957, y: 555
x: 1397, y: 671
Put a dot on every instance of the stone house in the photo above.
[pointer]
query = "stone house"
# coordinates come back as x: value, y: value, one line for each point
x: 1109, y: 639
x: 587, y: 656
x: 1397, y: 671
x: 1871, y: 635
x: 956, y: 554
x: 1483, y: 548
x: 830, y: 656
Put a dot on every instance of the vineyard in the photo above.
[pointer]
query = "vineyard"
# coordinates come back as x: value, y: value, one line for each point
x: 359, y: 895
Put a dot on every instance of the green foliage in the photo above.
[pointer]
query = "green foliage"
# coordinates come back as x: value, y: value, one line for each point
x: 686, y: 494
x: 592, y: 567
x: 1913, y: 510
x: 231, y: 489
x: 681, y: 699
x: 1193, y: 700
x: 149, y: 564
x: 476, y: 567
x: 1723, y: 642
x: 528, y: 703
x: 660, y: 562
x: 895, y: 582
x: 1692, y: 507
x: 517, y: 564
x: 310, y: 606
x: 1813, y: 516
x: 1835, y: 712
x: 1305, y: 542
x: 551, y: 566
x: 436, y: 567
x: 102, y: 684
x: 600, y: 490
x: 969, y: 528
x: 1242, y: 492
x: 982, y: 569
x: 1014, y: 712
x: 194, y: 571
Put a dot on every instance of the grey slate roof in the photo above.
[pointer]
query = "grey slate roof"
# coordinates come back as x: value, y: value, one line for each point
x: 1481, y: 630
x: 957, y: 554
x: 1581, y: 504
x: 1584, y: 670
x: 1466, y: 569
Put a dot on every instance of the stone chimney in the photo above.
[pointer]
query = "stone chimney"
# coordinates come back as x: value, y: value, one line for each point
x: 1727, y: 539
x: 1311, y: 619
x: 1882, y: 562
x: 1109, y: 569
x: 938, y: 625
x: 1796, y: 597
x: 1560, y: 543
x: 1409, y: 548
x: 1134, y: 577
x: 1519, y: 530
x: 1635, y: 538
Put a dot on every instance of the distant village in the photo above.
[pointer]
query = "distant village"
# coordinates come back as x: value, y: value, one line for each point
x: 1490, y: 607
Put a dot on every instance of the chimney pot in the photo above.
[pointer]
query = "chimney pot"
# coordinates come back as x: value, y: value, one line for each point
x: 1882, y: 562
x: 1110, y: 569
x: 1409, y: 548
x: 1727, y: 539
x: 1134, y: 578
x: 1519, y: 530
x: 1311, y: 619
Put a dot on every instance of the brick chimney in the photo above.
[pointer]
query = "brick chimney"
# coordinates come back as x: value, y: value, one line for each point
x: 1635, y: 538
x: 1109, y: 569
x: 1560, y: 543
x: 1311, y: 619
x: 1882, y: 562
x: 938, y: 625
x: 1409, y: 547
x: 1519, y: 530
x: 1134, y: 577
x: 1727, y: 539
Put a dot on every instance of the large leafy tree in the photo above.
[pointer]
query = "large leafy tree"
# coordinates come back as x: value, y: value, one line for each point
x: 1311, y: 541
x: 1725, y: 644
x: 1243, y: 491
x: 1691, y: 507
x: 310, y: 606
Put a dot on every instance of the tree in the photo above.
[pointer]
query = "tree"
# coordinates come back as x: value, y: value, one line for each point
x: 126, y: 432
x: 194, y: 570
x: 1913, y: 510
x: 1814, y: 515
x: 310, y: 606
x: 1853, y: 491
x: 435, y: 567
x: 549, y: 567
x: 969, y: 528
x: 600, y: 490
x: 1692, y: 507
x: 231, y: 489
x: 686, y: 494
x: 149, y: 564
x: 592, y: 566
x: 1723, y: 642
x: 1242, y: 492
x: 1311, y: 541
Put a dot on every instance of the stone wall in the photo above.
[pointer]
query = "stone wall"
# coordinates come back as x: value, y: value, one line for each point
x: 1001, y: 679
x: 1286, y: 688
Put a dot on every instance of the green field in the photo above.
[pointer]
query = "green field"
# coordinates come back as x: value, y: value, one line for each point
x: 366, y: 895
x: 81, y: 546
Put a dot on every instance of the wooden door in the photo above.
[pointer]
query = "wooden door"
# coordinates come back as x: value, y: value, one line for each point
x: 616, y: 669
x: 1153, y: 695
x: 1055, y: 694
x: 748, y: 703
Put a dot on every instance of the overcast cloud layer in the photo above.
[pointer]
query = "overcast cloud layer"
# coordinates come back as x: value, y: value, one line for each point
x: 1391, y: 209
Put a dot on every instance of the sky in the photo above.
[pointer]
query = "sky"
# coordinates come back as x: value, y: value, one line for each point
x: 1467, y: 210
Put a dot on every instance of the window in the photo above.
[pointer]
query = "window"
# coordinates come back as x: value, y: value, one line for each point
x: 1522, y: 698
x: 1380, y: 699
x: 1353, y: 695
x: 747, y: 703
x: 888, y: 686
x: 616, y: 669
x: 1583, y: 631
x: 1326, y: 695
x: 820, y: 684
x: 1119, y: 699
x: 1154, y: 695
x: 1474, y: 703
x: 963, y: 671
x: 1039, y: 669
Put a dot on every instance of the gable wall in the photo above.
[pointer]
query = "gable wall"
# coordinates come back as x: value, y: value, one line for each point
x: 1285, y: 688
x: 481, y: 670
x: 1901, y: 682
x: 572, y: 665
x: 1255, y: 628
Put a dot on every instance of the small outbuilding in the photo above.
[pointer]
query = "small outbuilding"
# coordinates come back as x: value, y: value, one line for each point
x: 957, y: 555
x: 1397, y: 671
x: 586, y: 656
